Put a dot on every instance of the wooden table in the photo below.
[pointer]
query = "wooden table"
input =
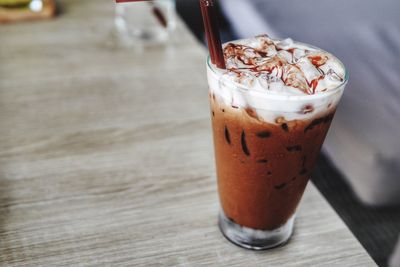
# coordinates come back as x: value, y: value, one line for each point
x: 106, y: 156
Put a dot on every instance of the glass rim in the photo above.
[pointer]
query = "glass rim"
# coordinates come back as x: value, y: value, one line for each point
x: 244, y: 88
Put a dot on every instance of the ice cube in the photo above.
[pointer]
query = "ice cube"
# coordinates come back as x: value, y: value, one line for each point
x: 309, y: 70
x: 298, y: 54
x: 264, y: 40
x: 231, y: 63
x: 293, y: 76
x: 246, y: 79
x: 333, y: 66
x: 250, y: 53
x: 285, y: 44
x: 265, y: 46
x: 322, y: 85
x: 286, y: 55
x: 333, y: 76
x: 270, y: 50
x: 271, y: 63
x: 267, y: 80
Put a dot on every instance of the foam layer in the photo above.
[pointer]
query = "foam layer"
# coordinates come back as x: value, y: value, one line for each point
x: 282, y: 66
x: 278, y: 78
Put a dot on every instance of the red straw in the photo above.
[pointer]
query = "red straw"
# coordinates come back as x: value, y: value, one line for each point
x: 212, y: 33
x: 207, y: 31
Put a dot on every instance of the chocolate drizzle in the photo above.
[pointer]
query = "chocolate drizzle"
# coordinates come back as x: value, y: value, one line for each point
x: 264, y: 134
x: 303, y: 170
x: 319, y: 121
x: 280, y: 186
x: 280, y: 61
x: 244, y: 144
x: 285, y: 127
x: 227, y: 135
x: 296, y: 148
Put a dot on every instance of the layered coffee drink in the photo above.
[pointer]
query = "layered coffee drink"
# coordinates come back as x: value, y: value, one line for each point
x: 271, y: 110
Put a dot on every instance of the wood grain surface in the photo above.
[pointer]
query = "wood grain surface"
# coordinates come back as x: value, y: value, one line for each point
x: 12, y: 15
x: 106, y: 155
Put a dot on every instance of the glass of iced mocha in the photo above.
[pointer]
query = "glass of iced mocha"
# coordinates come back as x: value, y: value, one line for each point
x: 271, y: 110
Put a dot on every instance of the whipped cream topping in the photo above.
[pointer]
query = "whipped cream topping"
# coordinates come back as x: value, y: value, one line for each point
x: 282, y: 67
x: 278, y: 79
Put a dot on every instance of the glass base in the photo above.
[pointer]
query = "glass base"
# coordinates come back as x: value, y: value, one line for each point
x: 255, y: 239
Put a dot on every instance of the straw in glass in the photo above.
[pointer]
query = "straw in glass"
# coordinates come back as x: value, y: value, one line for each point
x: 212, y: 32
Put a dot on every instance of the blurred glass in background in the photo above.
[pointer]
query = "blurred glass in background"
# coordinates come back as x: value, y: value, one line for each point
x: 135, y: 29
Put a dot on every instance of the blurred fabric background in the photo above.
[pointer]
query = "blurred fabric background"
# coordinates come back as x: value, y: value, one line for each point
x: 359, y: 172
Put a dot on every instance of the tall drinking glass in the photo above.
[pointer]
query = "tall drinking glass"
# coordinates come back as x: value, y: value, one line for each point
x: 266, y: 145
